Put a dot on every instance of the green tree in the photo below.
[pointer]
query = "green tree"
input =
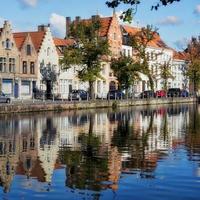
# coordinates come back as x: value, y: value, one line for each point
x: 87, y: 53
x: 126, y: 71
x: 127, y: 15
x: 140, y: 42
x: 165, y: 73
x: 49, y: 77
x: 193, y: 53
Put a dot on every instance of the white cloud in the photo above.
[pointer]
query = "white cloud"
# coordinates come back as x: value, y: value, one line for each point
x: 57, y: 24
x: 170, y: 20
x: 1, y: 21
x: 182, y: 43
x: 197, y: 10
x: 29, y: 3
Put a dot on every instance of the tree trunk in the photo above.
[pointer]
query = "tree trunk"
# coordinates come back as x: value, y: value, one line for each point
x: 91, y: 90
x: 91, y: 125
x: 151, y: 82
x: 165, y: 84
x: 195, y: 85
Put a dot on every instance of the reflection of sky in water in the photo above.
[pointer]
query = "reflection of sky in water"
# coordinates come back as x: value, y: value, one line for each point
x: 132, y: 154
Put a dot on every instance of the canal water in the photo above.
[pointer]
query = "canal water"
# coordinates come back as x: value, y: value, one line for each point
x: 131, y: 153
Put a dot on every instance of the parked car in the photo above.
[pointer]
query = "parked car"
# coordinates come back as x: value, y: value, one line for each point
x: 184, y: 93
x: 147, y: 94
x: 174, y: 92
x: 4, y: 98
x: 161, y: 93
x: 116, y: 94
x: 78, y: 95
x: 38, y: 94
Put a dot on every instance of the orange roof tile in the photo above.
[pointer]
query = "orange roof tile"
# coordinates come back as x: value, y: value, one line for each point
x: 63, y: 42
x: 37, y: 38
x: 105, y: 24
x: 180, y: 55
x: 19, y: 39
x: 157, y: 42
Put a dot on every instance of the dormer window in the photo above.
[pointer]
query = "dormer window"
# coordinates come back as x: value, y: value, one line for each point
x: 48, y: 51
x: 28, y: 49
x: 8, y: 44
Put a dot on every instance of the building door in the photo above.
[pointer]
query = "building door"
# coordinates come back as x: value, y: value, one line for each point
x: 112, y: 86
x: 143, y: 85
x: 70, y: 88
x: 48, y: 90
x: 34, y: 85
x: 16, y: 90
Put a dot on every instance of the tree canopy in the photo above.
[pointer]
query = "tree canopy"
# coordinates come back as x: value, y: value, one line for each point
x: 140, y: 42
x: 193, y: 53
x: 126, y: 71
x: 132, y: 6
x: 87, y: 53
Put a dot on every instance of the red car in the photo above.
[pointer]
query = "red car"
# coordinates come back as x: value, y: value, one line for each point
x: 161, y: 93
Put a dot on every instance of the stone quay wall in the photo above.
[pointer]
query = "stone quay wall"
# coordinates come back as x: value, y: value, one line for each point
x: 40, y: 106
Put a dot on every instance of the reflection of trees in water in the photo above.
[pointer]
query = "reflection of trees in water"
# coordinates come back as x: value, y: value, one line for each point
x: 134, y: 142
x: 193, y: 134
x: 86, y: 167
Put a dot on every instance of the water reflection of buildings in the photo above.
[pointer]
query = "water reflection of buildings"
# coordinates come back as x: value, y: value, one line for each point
x: 130, y: 140
x: 28, y: 146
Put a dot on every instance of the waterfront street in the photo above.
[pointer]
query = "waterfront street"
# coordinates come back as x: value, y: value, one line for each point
x: 100, y: 100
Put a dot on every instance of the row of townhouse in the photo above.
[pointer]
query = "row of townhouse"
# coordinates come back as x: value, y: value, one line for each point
x: 118, y: 38
x: 23, y: 54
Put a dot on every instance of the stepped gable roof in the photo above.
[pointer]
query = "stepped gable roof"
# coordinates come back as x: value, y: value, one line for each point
x: 105, y: 24
x: 157, y: 42
x: 37, y: 38
x: 19, y: 39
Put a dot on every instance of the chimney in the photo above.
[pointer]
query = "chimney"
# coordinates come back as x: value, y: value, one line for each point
x: 43, y: 27
x: 68, y: 24
x: 95, y: 17
x: 78, y: 18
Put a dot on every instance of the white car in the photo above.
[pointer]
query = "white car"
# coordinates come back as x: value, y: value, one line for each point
x: 4, y: 98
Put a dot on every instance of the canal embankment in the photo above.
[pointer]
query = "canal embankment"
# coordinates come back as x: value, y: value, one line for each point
x: 40, y: 106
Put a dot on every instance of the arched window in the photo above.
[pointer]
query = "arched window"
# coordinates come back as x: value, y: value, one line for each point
x: 8, y: 46
x: 28, y: 50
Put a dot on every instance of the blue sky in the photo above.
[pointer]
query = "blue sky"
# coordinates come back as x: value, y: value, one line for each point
x: 176, y: 23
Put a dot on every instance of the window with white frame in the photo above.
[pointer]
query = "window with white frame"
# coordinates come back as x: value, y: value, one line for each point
x: 2, y: 64
x: 11, y: 65
x: 8, y: 44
